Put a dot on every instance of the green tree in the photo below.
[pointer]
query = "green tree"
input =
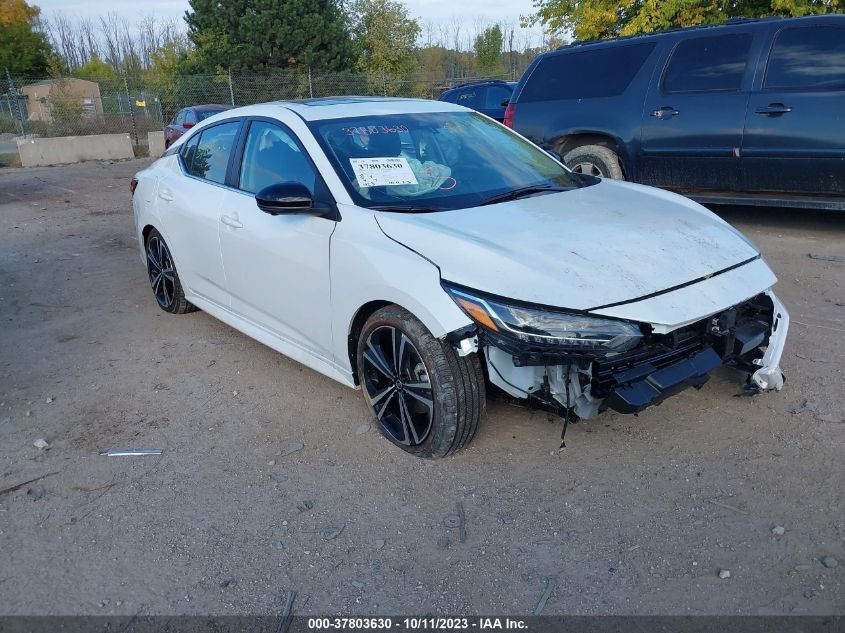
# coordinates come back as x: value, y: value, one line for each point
x: 95, y: 69
x: 597, y: 19
x: 386, y: 37
x: 488, y: 51
x: 24, y: 50
x: 254, y: 35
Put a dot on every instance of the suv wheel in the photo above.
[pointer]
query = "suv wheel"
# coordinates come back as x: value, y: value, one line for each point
x: 594, y: 160
x: 425, y: 399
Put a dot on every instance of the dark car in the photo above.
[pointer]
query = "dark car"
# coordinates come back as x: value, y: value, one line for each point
x: 749, y: 112
x: 487, y: 97
x: 187, y: 118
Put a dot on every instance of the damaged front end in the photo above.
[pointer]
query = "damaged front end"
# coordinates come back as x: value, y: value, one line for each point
x: 580, y: 365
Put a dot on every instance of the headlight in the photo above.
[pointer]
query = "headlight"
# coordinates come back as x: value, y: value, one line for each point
x: 576, y: 332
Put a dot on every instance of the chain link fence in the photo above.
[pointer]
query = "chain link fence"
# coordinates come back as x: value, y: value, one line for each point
x: 79, y: 105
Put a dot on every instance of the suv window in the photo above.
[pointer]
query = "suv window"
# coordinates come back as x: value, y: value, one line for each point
x: 180, y: 118
x: 191, y: 117
x: 271, y: 155
x: 708, y: 64
x: 206, y: 155
x: 495, y: 96
x: 469, y: 98
x: 807, y: 58
x: 586, y: 74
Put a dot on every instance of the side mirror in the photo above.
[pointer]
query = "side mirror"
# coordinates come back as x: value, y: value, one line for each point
x: 187, y: 126
x: 505, y: 102
x: 285, y: 198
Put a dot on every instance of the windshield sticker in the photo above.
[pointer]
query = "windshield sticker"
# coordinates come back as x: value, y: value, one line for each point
x: 381, y: 172
x: 369, y: 130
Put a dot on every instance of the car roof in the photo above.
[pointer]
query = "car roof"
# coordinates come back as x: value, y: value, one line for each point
x: 342, y: 107
x: 749, y: 22
x: 482, y: 82
x: 209, y: 107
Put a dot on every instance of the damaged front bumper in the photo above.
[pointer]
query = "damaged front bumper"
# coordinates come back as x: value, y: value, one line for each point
x: 749, y: 336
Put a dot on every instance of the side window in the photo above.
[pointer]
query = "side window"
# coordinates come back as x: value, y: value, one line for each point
x: 586, y: 74
x: 206, y: 155
x: 708, y: 64
x: 180, y: 118
x: 495, y: 96
x: 807, y: 58
x: 191, y: 117
x: 469, y: 98
x: 272, y: 155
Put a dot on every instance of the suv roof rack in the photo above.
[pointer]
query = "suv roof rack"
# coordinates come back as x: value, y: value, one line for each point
x: 727, y: 22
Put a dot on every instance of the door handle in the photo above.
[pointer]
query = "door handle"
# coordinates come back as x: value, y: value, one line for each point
x: 773, y: 109
x: 165, y: 194
x: 228, y: 220
x: 666, y: 112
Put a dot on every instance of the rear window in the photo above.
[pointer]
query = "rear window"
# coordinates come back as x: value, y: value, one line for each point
x: 495, y: 96
x: 807, y: 58
x: 206, y: 155
x: 586, y: 74
x: 469, y: 98
x: 708, y: 64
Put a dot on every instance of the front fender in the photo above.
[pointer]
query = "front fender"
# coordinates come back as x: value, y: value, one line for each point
x: 367, y: 265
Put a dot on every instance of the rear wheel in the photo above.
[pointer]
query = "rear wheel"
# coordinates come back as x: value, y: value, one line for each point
x: 594, y: 160
x: 164, y: 280
x: 425, y: 398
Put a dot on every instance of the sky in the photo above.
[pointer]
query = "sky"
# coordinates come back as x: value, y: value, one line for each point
x: 435, y: 11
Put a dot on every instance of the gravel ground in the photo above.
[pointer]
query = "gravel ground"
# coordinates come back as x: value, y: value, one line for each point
x: 639, y: 515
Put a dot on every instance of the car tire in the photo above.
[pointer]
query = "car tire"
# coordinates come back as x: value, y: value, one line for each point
x: 428, y: 369
x: 164, y: 279
x: 594, y: 160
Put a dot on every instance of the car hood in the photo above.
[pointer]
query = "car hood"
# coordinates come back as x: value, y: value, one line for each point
x: 602, y: 244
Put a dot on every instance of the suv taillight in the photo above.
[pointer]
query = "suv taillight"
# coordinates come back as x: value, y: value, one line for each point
x: 509, y: 112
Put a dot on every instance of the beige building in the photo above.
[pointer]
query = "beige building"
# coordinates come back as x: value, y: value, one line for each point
x: 79, y: 94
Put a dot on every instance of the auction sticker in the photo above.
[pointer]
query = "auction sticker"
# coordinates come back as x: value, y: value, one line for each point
x: 380, y: 172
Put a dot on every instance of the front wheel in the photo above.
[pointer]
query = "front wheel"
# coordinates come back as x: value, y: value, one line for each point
x: 425, y: 399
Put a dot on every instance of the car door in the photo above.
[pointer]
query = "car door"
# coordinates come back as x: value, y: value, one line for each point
x: 694, y: 113
x: 277, y: 266
x: 191, y: 201
x: 794, y: 133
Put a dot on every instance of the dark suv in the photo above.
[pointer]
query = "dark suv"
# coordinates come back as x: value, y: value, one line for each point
x: 488, y: 97
x: 750, y: 111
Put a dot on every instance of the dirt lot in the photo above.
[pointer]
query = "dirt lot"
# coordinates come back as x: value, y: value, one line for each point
x: 638, y: 515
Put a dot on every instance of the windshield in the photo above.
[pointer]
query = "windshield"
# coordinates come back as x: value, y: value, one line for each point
x: 435, y: 161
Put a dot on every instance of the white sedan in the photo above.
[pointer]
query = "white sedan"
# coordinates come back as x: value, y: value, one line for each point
x: 422, y: 251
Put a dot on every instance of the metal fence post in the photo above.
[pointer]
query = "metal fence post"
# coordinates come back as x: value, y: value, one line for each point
x: 310, y: 85
x: 131, y: 109
x: 14, y: 93
x: 231, y: 88
x: 384, y: 82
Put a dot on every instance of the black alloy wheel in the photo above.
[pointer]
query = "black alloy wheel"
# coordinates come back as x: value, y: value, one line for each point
x: 164, y: 279
x: 398, y: 385
x: 424, y: 398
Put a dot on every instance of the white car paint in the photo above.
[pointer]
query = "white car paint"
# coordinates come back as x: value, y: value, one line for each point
x: 296, y: 283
